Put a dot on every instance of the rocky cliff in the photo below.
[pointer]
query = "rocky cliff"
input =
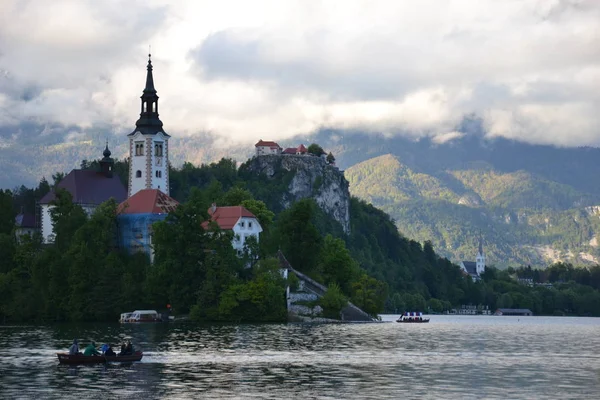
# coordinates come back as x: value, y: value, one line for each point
x: 309, y: 177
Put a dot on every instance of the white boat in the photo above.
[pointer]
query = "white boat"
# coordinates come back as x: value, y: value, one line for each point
x: 141, y: 316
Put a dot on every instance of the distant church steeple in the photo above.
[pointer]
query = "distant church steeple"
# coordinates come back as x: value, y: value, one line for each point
x: 107, y: 163
x: 480, y: 260
x: 148, y: 144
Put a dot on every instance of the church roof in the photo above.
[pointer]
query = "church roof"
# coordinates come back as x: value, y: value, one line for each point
x: 148, y: 201
x: 89, y: 187
x: 25, y: 220
x: 471, y: 267
x: 227, y: 217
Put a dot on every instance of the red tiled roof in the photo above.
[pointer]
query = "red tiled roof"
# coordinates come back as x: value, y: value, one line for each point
x: 270, y: 144
x: 290, y: 150
x: 227, y: 217
x: 302, y: 149
x: 148, y: 201
x: 89, y: 187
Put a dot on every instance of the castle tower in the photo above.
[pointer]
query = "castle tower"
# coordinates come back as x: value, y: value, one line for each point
x: 480, y: 260
x: 148, y: 145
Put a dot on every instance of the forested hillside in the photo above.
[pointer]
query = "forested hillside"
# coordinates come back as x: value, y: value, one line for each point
x: 83, y: 276
x: 524, y: 218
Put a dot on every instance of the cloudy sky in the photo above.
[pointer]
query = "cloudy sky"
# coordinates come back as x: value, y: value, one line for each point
x: 272, y: 69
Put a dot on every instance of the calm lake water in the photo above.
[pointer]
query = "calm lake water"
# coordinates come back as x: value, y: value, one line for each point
x: 452, y: 357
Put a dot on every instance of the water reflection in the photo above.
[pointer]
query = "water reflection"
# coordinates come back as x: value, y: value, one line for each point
x: 452, y: 357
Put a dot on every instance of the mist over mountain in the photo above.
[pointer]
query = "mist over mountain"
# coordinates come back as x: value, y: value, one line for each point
x: 532, y: 204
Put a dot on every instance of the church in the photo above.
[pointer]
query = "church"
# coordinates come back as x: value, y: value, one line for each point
x: 475, y: 268
x: 146, y: 199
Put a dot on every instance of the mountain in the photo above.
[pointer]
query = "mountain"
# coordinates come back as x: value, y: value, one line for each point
x: 532, y: 204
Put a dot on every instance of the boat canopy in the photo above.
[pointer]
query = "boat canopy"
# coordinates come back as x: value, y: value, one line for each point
x: 413, y: 314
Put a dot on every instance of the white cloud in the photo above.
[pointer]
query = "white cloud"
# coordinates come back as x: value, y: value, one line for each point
x: 242, y: 70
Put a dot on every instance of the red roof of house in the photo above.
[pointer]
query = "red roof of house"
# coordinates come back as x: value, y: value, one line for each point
x: 270, y: 144
x: 148, y: 201
x: 89, y: 187
x: 227, y: 217
x: 290, y: 150
x: 302, y: 149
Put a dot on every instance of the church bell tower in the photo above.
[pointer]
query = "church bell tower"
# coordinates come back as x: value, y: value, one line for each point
x: 148, y: 144
x: 480, y: 260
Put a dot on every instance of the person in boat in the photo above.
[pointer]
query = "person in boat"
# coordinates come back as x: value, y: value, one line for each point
x: 109, y: 351
x: 129, y: 348
x: 123, y: 347
x: 74, y: 349
x: 90, y: 350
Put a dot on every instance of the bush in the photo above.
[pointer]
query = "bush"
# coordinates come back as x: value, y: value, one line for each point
x: 333, y: 301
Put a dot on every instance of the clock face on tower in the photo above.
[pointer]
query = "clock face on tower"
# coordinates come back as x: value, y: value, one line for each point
x: 159, y: 161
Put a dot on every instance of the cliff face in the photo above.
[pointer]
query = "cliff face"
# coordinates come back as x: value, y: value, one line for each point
x: 312, y: 178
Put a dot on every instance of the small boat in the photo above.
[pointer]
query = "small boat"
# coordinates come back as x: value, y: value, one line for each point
x: 75, y: 359
x: 412, y: 318
x: 141, y: 316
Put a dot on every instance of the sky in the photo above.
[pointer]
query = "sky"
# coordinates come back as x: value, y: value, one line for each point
x: 243, y: 70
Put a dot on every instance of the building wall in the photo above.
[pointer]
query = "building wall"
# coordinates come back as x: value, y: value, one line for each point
x: 244, y: 228
x: 46, y: 220
x: 480, y: 263
x: 149, y: 163
x: 135, y: 232
x: 264, y: 150
x: 46, y: 224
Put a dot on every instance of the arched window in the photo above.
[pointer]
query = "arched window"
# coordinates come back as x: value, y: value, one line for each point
x: 145, y: 107
x: 138, y: 174
x: 153, y: 107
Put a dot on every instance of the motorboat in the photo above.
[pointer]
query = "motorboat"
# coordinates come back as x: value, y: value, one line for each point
x: 412, y: 317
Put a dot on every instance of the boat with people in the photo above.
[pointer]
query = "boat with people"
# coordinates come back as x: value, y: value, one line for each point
x: 76, y: 359
x: 141, y: 316
x: 412, y: 317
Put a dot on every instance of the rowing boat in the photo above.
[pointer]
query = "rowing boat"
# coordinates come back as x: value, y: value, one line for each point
x: 74, y: 359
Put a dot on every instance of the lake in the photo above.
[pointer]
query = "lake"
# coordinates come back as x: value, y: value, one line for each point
x: 452, y: 357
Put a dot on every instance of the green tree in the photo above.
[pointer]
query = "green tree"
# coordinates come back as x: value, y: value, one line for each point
x: 66, y: 217
x: 336, y: 264
x: 298, y: 237
x: 235, y: 197
x: 333, y: 301
x: 369, y: 294
x: 315, y: 149
x: 260, y: 211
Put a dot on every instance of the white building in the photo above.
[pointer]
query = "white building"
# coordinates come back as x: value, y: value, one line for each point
x: 477, y: 267
x: 237, y: 219
x: 148, y: 145
x: 88, y: 188
x: 267, y: 147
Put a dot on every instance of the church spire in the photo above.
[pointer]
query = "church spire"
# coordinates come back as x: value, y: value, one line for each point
x: 107, y: 163
x: 149, y: 78
x: 149, y: 123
